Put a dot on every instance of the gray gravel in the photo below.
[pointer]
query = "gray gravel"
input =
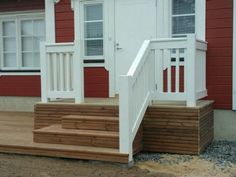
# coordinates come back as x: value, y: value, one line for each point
x: 222, y: 153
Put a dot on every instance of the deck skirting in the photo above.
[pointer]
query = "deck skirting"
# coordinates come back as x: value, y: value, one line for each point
x: 177, y: 129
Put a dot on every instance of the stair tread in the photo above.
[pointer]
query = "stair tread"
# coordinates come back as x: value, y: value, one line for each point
x: 56, y: 128
x: 97, y: 118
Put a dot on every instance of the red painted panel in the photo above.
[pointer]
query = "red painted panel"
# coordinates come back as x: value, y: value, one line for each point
x: 96, y: 81
x: 20, y: 86
x: 64, y: 22
x: 19, y: 5
x: 219, y: 55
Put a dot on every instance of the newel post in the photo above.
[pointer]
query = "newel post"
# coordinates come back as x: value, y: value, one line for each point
x: 125, y: 141
x: 78, y: 60
x: 190, y: 71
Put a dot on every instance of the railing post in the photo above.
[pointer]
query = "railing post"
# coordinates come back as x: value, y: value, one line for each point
x: 125, y: 133
x: 44, y: 79
x: 190, y: 71
x: 78, y: 74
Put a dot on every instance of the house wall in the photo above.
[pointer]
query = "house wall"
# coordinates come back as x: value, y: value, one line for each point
x: 96, y: 79
x: 19, y: 5
x: 219, y: 35
x: 19, y: 85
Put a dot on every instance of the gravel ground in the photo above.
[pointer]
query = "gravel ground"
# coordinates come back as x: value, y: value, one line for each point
x: 219, y: 160
x: 222, y: 153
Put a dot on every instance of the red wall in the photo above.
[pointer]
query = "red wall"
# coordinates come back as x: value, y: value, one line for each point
x: 219, y: 54
x: 17, y: 5
x: 20, y: 85
x: 96, y: 80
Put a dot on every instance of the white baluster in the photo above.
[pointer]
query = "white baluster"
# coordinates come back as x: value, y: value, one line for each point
x: 177, y: 66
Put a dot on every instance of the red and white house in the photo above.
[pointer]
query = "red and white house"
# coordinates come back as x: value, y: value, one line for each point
x: 141, y: 50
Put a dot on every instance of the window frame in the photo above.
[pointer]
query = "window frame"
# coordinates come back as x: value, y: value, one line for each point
x: 82, y: 22
x: 18, y: 17
x: 182, y: 15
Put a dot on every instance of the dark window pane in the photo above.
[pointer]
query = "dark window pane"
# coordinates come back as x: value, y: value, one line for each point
x: 183, y: 7
x: 94, y: 30
x: 93, y: 12
x: 183, y: 25
x: 93, y: 47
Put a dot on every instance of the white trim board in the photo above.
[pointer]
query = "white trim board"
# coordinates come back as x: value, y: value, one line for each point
x: 234, y: 56
x: 50, y: 21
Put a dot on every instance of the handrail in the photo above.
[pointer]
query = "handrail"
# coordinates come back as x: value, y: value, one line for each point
x: 158, y: 63
x: 135, y: 96
x: 138, y: 61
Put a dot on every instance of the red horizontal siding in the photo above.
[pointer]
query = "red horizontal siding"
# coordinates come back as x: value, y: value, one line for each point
x: 219, y: 55
x: 96, y: 84
x: 96, y: 81
x: 64, y: 22
x: 20, y: 86
x: 20, y: 5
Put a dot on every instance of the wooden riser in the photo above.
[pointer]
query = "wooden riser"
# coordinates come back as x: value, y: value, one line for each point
x: 49, y: 114
x: 90, y: 123
x: 56, y: 135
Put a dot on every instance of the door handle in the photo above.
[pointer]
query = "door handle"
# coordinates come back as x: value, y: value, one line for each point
x: 117, y: 47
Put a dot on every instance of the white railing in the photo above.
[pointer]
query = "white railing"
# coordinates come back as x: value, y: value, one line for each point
x: 164, y: 69
x: 135, y: 94
x: 180, y: 69
x: 61, y: 71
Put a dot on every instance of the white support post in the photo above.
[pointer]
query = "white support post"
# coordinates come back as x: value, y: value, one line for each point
x: 125, y: 116
x: 44, y: 79
x: 78, y: 59
x: 190, y: 71
x: 234, y: 57
x: 78, y: 74
x: 50, y: 20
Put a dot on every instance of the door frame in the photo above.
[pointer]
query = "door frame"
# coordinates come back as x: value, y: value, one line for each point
x: 108, y: 39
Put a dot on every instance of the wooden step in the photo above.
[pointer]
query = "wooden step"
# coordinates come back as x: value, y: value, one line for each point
x: 55, y: 134
x: 47, y: 114
x: 83, y: 122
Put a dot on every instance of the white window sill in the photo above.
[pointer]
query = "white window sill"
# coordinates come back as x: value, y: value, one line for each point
x: 19, y: 73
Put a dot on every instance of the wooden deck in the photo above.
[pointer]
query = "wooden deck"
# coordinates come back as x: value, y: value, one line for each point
x: 16, y: 137
x: 80, y: 131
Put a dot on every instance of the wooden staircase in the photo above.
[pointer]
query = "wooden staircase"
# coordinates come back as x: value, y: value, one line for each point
x: 97, y: 132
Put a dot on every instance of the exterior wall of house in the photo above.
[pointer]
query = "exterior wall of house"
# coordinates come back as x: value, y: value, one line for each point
x: 96, y: 79
x: 219, y: 55
x: 219, y: 35
x: 16, y: 5
x: 20, y: 85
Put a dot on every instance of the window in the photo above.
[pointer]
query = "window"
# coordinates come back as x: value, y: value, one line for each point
x: 183, y: 17
x: 93, y: 29
x: 20, y: 36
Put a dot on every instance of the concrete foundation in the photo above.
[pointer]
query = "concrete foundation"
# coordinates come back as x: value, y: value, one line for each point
x: 225, y: 125
x: 21, y: 104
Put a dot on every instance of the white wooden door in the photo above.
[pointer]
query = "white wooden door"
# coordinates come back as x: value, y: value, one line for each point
x: 135, y: 21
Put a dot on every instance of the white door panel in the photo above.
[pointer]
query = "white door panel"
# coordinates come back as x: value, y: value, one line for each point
x: 135, y: 21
